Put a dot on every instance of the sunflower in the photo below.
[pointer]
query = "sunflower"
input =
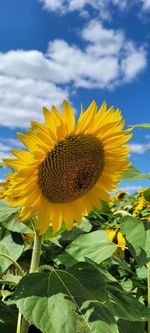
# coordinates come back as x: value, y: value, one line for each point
x: 141, y: 203
x: 68, y: 167
x: 116, y: 236
x: 120, y: 195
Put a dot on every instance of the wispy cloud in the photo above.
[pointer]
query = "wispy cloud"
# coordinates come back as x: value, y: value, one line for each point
x: 31, y: 79
x: 7, y: 144
x: 130, y: 188
x: 146, y: 5
x: 101, y: 7
x: 139, y: 148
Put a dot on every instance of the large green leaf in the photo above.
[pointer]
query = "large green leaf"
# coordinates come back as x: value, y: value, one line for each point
x: 13, y: 224
x: 71, y: 301
x: 8, y: 318
x: 133, y: 174
x: 6, y: 211
x: 94, y: 245
x: 11, y: 246
x: 137, y: 234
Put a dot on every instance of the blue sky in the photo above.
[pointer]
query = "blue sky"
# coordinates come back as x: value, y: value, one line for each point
x: 79, y: 50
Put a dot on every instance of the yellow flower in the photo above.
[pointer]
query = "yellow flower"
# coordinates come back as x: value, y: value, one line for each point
x: 69, y: 166
x: 121, y: 240
x: 142, y: 190
x: 120, y: 195
x: 141, y: 204
x: 116, y: 236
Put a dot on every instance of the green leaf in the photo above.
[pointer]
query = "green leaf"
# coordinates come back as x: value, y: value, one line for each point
x: 14, y: 225
x: 141, y: 126
x: 11, y: 245
x: 137, y: 234
x: 146, y: 194
x: 141, y: 272
x: 6, y: 211
x: 94, y: 245
x: 133, y: 174
x: 85, y: 226
x: 105, y: 208
x: 2, y: 165
x: 71, y: 301
x: 128, y: 327
x: 126, y: 306
x: 10, y: 279
x: 8, y: 318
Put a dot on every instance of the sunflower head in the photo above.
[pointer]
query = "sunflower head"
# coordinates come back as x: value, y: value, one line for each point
x: 120, y: 195
x: 69, y: 166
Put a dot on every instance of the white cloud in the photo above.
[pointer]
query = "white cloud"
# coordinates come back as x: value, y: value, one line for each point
x: 146, y: 5
x: 22, y: 98
x: 101, y: 6
x: 31, y: 79
x: 107, y: 60
x: 139, y: 148
x: 6, y: 144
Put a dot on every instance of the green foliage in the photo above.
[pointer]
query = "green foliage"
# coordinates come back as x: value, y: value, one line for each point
x: 88, y: 282
x: 8, y: 318
x: 89, y: 302
x: 138, y: 238
x: 95, y: 246
x: 133, y: 174
x: 6, y: 211
x: 146, y: 194
x: 12, y: 246
x: 141, y: 126
x: 74, y: 299
x: 128, y: 327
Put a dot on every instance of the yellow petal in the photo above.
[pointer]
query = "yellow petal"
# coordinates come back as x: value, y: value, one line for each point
x: 121, y: 240
x: 13, y: 163
x: 43, y: 216
x: 111, y: 233
x: 68, y: 116
x: 86, y: 118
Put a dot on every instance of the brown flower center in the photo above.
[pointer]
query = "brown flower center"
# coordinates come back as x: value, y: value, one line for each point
x: 72, y: 168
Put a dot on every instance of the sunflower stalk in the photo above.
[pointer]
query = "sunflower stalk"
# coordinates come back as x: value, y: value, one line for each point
x: 22, y: 324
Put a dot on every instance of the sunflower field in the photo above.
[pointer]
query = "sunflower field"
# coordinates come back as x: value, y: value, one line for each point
x: 74, y: 257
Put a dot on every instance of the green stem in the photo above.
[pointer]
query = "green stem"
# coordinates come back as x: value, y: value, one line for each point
x: 148, y: 287
x: 22, y: 324
x: 45, y: 267
x: 13, y: 261
x: 36, y: 252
